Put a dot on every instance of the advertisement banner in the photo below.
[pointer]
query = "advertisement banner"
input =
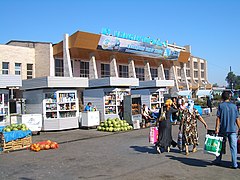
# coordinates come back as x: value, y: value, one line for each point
x: 110, y: 43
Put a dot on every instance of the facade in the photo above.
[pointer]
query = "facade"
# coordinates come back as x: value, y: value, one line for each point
x: 78, y: 55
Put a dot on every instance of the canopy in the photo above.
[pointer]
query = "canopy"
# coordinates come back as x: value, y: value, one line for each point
x: 201, y: 93
x: 185, y: 93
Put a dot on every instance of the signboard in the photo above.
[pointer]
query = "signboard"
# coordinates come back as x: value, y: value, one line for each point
x: 111, y: 43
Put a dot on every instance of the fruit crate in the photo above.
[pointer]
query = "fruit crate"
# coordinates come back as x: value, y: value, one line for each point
x: 16, y: 144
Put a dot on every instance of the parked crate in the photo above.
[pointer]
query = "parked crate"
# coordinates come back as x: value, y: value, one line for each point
x: 17, y: 144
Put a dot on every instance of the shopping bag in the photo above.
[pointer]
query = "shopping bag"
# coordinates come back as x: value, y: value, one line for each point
x: 153, y: 135
x: 213, y: 144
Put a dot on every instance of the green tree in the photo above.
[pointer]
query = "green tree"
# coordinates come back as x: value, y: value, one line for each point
x: 234, y: 80
x: 215, y: 85
x: 231, y: 79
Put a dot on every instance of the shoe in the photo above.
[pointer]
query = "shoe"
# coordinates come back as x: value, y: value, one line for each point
x: 187, y: 153
x: 158, y: 149
x: 233, y: 167
x: 194, y: 150
x: 168, y: 149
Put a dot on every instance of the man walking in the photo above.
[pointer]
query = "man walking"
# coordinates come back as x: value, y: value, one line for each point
x: 226, y: 126
x: 209, y: 104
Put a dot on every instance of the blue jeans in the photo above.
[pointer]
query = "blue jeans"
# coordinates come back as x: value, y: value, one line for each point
x: 232, y: 139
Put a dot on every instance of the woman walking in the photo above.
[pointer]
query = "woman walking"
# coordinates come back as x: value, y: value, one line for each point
x: 165, y: 128
x: 189, y: 124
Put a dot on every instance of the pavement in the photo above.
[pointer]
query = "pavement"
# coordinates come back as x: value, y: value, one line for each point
x: 67, y: 136
x: 92, y: 154
x: 73, y: 135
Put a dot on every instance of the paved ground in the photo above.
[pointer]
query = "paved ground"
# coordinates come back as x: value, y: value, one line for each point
x: 89, y: 154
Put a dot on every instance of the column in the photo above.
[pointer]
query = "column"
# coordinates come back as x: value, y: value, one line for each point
x: 52, y: 67
x: 147, y: 71
x: 131, y: 69
x: 173, y: 76
x: 66, y: 58
x: 92, y: 68
x: 161, y: 74
x: 184, y: 75
x: 113, y: 67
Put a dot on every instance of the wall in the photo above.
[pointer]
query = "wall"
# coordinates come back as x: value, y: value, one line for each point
x: 16, y: 54
x: 43, y: 59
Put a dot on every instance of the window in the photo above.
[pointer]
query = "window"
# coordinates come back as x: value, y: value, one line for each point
x: 202, y: 66
x: 5, y: 67
x: 84, y: 69
x: 195, y: 74
x: 195, y: 65
x: 188, y: 72
x: 166, y: 72
x: 123, y: 71
x: 202, y: 74
x: 188, y: 64
x: 105, y: 70
x: 178, y: 72
x: 154, y: 73
x: 58, y: 67
x: 140, y: 73
x: 17, y: 68
x: 29, y: 71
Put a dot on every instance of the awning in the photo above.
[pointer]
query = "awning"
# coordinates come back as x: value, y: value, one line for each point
x: 204, y: 93
x: 185, y: 93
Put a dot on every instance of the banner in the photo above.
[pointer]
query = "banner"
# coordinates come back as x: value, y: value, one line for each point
x: 110, y: 43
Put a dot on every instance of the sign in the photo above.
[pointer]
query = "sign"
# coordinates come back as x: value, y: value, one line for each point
x: 111, y: 43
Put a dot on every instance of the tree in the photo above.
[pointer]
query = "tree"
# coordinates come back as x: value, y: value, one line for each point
x: 215, y: 85
x: 233, y: 81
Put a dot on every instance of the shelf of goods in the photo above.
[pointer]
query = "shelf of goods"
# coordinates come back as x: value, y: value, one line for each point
x: 65, y: 105
x: 3, y: 107
x: 112, y: 101
x: 60, y: 110
x: 157, y: 99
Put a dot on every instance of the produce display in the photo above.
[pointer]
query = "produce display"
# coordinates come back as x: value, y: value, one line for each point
x: 44, y: 145
x: 114, y: 125
x: 15, y: 127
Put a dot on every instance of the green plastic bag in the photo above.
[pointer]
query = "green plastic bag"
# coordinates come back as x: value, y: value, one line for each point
x: 213, y: 144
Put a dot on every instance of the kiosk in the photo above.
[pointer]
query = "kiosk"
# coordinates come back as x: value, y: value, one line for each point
x: 152, y: 92
x: 56, y: 98
x: 107, y: 94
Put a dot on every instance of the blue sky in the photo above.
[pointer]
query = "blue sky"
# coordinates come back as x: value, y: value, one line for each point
x: 212, y: 28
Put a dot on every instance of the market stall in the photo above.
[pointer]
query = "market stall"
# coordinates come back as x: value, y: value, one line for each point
x: 132, y: 110
x: 4, y: 107
x: 56, y: 98
x: 14, y: 137
x: 107, y: 94
x: 153, y: 92
x: 90, y: 119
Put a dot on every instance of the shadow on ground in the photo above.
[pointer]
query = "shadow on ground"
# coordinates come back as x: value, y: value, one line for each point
x: 144, y: 149
x: 198, y: 162
x: 151, y: 149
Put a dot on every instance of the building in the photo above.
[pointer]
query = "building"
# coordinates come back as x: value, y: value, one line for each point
x: 95, y: 56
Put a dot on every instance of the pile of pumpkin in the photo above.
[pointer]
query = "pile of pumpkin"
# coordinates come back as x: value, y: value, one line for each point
x: 44, y: 145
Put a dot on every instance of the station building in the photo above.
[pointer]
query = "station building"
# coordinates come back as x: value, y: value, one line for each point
x: 85, y: 56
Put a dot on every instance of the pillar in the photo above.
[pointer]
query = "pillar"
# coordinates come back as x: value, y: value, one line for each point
x: 131, y: 69
x: 147, y: 72
x: 161, y: 74
x: 92, y: 68
x: 113, y: 67
x: 66, y: 58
